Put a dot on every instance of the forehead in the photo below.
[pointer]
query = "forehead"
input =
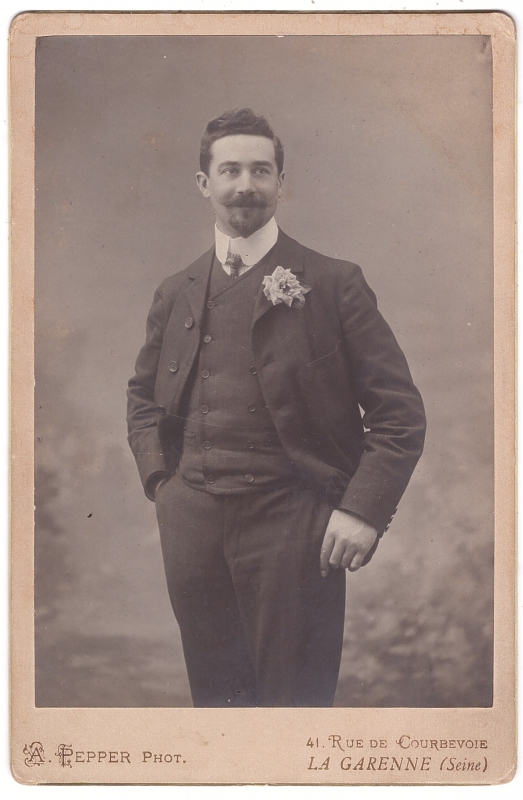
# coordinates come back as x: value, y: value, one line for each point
x: 242, y: 148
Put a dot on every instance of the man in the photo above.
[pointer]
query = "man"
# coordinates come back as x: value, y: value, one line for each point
x: 245, y: 421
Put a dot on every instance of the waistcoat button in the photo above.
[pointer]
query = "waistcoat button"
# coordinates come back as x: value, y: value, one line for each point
x: 207, y: 339
x: 253, y: 370
x: 207, y: 445
x: 173, y: 366
x: 161, y: 411
x: 210, y: 303
x: 210, y: 479
x: 249, y: 478
x: 205, y: 409
x: 250, y: 445
x: 189, y: 322
x: 205, y: 373
x: 251, y: 407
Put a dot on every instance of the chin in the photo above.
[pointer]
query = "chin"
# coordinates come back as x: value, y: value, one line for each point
x: 246, y: 229
x: 245, y: 226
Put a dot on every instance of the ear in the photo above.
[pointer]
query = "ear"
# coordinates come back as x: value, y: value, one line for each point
x: 203, y: 183
x: 281, y: 178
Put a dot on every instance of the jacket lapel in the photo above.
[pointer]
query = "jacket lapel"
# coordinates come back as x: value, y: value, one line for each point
x: 198, y: 275
x: 286, y: 254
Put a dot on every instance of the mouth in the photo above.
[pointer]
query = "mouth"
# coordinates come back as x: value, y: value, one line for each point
x: 247, y: 202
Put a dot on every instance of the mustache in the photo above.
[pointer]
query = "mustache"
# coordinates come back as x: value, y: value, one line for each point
x: 246, y: 202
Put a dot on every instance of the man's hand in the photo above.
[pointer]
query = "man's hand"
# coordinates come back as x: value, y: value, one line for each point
x: 347, y: 541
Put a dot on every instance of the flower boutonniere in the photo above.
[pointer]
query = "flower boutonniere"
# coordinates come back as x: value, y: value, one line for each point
x: 283, y: 287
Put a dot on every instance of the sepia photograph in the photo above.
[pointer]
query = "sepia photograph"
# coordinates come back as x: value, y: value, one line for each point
x: 264, y: 383
x: 254, y: 469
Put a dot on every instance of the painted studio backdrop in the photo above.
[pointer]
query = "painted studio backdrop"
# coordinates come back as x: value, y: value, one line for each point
x: 388, y: 160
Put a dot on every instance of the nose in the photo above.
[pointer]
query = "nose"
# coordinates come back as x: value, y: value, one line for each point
x: 245, y: 183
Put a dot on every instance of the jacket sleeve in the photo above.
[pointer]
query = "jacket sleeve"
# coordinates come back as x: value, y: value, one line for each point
x: 142, y: 414
x: 393, y: 413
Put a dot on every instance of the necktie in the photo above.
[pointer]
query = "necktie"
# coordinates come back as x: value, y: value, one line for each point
x: 234, y: 262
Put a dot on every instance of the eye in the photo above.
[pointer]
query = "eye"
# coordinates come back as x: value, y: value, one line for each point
x: 262, y: 170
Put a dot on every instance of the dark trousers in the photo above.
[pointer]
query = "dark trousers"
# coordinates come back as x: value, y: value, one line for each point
x: 259, y: 625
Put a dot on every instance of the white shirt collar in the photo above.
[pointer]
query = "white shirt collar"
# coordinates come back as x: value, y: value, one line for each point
x: 253, y: 248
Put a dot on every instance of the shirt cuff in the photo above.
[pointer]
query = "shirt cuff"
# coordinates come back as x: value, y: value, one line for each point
x: 358, y: 516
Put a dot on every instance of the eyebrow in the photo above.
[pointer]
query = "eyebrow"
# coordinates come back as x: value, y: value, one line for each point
x: 237, y: 163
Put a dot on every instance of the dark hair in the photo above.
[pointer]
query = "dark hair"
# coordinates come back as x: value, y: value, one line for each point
x: 237, y: 121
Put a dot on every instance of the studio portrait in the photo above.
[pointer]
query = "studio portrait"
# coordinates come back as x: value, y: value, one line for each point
x: 264, y: 416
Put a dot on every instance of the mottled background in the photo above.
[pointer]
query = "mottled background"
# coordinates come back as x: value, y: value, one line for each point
x: 388, y: 161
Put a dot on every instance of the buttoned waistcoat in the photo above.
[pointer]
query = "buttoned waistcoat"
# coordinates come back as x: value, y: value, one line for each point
x: 336, y: 383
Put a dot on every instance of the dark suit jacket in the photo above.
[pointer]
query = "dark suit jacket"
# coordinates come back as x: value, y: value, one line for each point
x: 316, y: 366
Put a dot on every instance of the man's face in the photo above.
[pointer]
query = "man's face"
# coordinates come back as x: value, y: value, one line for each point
x: 243, y: 183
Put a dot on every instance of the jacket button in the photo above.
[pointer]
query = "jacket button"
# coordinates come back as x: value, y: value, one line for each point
x: 210, y: 478
x: 210, y: 303
x: 249, y: 478
x: 161, y: 411
x: 173, y: 366
x: 250, y: 445
x: 205, y: 409
x: 251, y: 407
x: 205, y: 373
x: 189, y: 322
x: 207, y: 339
x: 253, y: 370
x: 207, y: 445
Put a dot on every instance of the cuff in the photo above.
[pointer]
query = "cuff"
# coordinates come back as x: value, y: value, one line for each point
x: 153, y: 481
x: 359, y: 516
